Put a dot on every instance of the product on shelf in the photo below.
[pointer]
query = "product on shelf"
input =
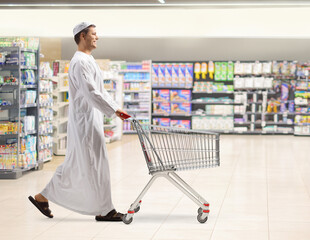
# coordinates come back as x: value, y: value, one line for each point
x: 175, y: 75
x: 181, y: 108
x: 203, y: 70
x: 161, y: 108
x: 28, y: 97
x: 181, y: 123
x: 164, y: 122
x: 168, y: 75
x: 212, y: 123
x: 220, y: 109
x: 180, y: 95
x: 161, y: 95
x: 161, y: 75
x: 28, y: 77
x: 155, y: 76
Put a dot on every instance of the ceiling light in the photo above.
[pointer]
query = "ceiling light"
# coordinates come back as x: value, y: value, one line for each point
x: 161, y: 1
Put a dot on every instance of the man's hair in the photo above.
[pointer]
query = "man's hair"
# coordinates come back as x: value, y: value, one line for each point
x: 78, y: 35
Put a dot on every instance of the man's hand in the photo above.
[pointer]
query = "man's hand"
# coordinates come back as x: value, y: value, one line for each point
x: 122, y: 114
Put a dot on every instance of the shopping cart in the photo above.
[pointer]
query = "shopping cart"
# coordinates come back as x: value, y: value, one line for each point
x: 167, y: 150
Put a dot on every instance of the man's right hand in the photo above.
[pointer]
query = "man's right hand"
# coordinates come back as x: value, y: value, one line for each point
x: 122, y: 114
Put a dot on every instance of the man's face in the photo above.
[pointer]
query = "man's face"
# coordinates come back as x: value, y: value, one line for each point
x: 91, y: 38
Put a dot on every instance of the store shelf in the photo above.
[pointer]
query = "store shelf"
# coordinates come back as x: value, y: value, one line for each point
x: 109, y: 125
x: 208, y: 92
x: 8, y: 107
x: 136, y: 100
x: 135, y: 81
x: 213, y: 115
x: 136, y: 110
x: 242, y: 123
x: 165, y: 87
x: 134, y: 70
x: 136, y: 91
x: 9, y: 135
x: 214, y: 103
x: 171, y: 115
x: 278, y: 123
x: 45, y: 146
x: 29, y: 105
x: 29, y: 67
x: 25, y: 87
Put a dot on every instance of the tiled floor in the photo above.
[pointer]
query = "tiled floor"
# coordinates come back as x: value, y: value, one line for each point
x: 261, y: 191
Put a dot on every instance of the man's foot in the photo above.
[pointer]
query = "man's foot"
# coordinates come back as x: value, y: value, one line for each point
x: 42, y: 206
x: 112, y: 216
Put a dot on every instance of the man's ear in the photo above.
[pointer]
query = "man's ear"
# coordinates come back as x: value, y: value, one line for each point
x: 82, y: 35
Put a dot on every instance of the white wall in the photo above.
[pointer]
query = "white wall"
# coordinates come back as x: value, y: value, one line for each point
x: 224, y: 22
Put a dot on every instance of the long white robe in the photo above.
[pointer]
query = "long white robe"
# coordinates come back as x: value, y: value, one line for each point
x: 82, y: 182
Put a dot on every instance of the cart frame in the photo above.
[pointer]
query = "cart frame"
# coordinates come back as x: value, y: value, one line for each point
x: 166, y: 168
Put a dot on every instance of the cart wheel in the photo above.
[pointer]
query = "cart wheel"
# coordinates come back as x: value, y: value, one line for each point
x: 127, y: 221
x: 199, y: 210
x: 200, y: 219
x: 137, y: 209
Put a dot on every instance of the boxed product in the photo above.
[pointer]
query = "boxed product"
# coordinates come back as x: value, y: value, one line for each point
x: 182, y: 75
x: 162, y: 75
x: 238, y: 68
x: 168, y: 75
x: 165, y: 122
x: 180, y: 95
x: 189, y: 75
x: 217, y: 73
x: 224, y: 67
x: 175, y: 75
x: 259, y: 82
x: 249, y: 83
x: 181, y: 123
x: 230, y: 71
x: 161, y: 108
x: 180, y: 108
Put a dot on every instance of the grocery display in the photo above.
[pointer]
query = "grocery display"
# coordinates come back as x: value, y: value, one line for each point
x: 243, y: 97
x: 19, y: 91
x: 60, y: 113
x: 171, y: 94
x: 136, y: 92
x: 46, y: 113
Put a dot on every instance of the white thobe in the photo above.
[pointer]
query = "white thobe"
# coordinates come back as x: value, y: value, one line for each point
x: 82, y: 182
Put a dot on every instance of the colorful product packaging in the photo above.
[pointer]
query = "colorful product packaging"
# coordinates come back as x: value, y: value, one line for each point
x: 161, y: 75
x: 168, y: 75
x: 181, y: 108
x: 181, y: 123
x: 175, y: 75
x: 182, y: 75
x: 189, y: 75
x: 161, y: 108
x: 180, y: 95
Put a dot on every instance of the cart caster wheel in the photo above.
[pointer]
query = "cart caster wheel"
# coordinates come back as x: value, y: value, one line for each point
x: 137, y: 209
x: 200, y: 219
x: 127, y: 221
x: 199, y: 210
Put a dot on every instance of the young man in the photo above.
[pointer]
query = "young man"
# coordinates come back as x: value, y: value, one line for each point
x: 82, y: 182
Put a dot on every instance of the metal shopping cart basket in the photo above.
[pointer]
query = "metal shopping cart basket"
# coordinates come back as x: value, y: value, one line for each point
x: 167, y: 150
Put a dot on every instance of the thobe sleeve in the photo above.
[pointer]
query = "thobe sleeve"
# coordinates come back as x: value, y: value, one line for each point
x: 87, y: 85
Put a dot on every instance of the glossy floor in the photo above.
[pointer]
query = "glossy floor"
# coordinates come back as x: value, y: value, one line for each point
x: 260, y: 191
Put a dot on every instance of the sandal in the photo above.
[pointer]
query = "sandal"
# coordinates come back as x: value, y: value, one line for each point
x: 112, y: 216
x: 42, y: 206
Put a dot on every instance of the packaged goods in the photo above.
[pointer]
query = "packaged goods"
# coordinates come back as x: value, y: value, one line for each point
x: 230, y: 71
x: 180, y: 95
x: 161, y: 108
x: 189, y: 75
x: 161, y: 95
x: 180, y: 108
x: 164, y: 122
x: 182, y: 75
x: 161, y: 75
x: 197, y: 70
x: 181, y: 123
x: 168, y: 75
x: 204, y: 70
x: 175, y: 75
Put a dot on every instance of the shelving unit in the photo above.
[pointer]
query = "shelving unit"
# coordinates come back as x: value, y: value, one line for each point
x: 302, y: 102
x: 46, y: 113
x: 172, y: 94
x: 19, y: 86
x: 113, y: 84
x: 137, y: 92
x: 60, y: 113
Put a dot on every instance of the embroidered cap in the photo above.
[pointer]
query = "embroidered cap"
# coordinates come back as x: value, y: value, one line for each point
x: 81, y: 26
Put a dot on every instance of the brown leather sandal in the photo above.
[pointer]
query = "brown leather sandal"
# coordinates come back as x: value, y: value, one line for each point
x: 112, y: 216
x: 42, y: 206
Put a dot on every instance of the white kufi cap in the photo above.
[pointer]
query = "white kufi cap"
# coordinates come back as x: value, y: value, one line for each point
x: 81, y: 26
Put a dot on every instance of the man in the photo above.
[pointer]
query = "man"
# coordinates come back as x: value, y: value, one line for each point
x: 82, y: 182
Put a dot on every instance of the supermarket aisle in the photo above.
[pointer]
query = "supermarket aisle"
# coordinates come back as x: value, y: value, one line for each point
x: 261, y: 191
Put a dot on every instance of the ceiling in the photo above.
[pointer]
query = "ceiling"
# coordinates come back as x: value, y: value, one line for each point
x: 147, y: 3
